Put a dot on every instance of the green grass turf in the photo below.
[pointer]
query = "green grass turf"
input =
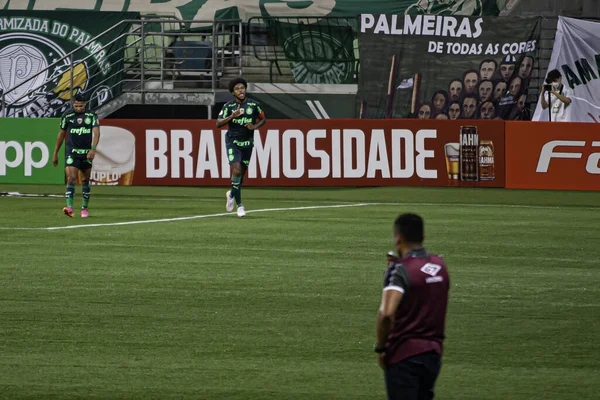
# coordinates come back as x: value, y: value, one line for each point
x: 282, y: 304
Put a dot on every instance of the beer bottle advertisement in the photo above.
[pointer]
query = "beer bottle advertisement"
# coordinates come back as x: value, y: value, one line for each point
x: 471, y: 159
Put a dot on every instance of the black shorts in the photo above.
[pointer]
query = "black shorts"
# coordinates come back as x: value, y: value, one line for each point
x: 413, y: 378
x: 78, y: 161
x: 239, y: 151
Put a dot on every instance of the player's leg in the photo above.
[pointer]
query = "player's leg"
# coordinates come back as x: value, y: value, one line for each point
x: 244, y: 166
x: 85, y: 187
x: 246, y: 155
x: 234, y: 156
x: 402, y: 382
x: 430, y: 364
x: 236, y: 180
x: 71, y: 174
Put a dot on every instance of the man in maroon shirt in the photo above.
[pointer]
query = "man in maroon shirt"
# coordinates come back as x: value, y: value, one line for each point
x: 410, y: 324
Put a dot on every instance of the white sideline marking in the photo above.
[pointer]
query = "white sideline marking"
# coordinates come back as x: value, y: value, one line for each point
x: 149, y: 221
x: 305, y: 208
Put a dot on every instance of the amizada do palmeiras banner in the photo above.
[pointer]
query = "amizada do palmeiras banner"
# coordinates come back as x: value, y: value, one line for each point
x: 32, y: 41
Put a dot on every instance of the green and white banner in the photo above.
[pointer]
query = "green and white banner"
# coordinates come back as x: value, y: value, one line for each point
x: 245, y: 9
x: 319, y: 53
x: 32, y: 41
x: 26, y: 147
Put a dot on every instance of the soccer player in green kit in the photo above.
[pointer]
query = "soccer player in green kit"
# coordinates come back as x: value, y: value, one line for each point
x: 83, y: 134
x: 243, y: 116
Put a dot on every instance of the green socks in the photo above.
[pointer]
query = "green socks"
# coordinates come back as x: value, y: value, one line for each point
x: 70, y: 194
x: 86, y: 195
x: 236, y: 189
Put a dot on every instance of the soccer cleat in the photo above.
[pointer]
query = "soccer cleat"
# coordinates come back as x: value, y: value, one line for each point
x: 241, y: 212
x: 230, y: 201
x: 68, y: 211
x: 84, y: 213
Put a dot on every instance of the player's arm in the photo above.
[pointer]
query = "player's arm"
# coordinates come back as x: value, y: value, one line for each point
x: 224, y: 119
x: 396, y: 282
x: 261, y: 120
x: 95, y: 139
x: 59, y: 140
x: 390, y: 300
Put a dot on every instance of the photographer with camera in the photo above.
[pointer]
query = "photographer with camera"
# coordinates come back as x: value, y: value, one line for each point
x: 559, y: 97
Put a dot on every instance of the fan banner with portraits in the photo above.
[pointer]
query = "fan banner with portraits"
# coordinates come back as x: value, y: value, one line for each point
x: 35, y: 67
x: 446, y: 67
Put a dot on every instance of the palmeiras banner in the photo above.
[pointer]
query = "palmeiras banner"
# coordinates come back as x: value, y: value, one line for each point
x: 31, y: 41
x: 446, y: 67
x: 208, y: 10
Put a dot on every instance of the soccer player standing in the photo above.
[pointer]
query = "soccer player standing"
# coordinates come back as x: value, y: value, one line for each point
x: 83, y: 134
x: 411, y: 319
x: 243, y: 116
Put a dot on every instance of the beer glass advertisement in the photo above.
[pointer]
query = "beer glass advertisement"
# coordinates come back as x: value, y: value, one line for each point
x: 114, y: 163
x: 446, y: 67
x: 306, y: 153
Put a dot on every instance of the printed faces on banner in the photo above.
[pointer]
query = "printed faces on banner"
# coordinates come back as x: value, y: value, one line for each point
x: 312, y: 153
x: 462, y: 67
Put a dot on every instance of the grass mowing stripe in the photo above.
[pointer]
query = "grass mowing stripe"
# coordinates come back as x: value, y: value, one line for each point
x: 460, y: 205
x: 149, y: 221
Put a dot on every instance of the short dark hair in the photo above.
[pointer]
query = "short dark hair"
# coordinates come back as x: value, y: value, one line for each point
x: 425, y: 104
x: 410, y: 226
x: 484, y: 81
x: 235, y: 81
x: 454, y: 102
x: 489, y: 60
x: 443, y: 93
x: 470, y: 71
x: 470, y: 96
x: 552, y: 75
x: 78, y: 97
x: 527, y: 56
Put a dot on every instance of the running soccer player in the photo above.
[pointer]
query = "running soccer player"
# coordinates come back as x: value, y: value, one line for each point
x: 79, y: 127
x: 241, y: 114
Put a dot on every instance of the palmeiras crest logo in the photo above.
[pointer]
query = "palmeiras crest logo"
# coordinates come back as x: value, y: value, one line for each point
x: 43, y: 91
x: 320, y: 57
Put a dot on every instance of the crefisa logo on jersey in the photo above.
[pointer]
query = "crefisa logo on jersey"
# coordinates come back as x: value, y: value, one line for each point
x: 24, y: 59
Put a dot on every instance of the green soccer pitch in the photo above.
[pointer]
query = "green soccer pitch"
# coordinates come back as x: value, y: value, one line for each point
x: 282, y: 304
